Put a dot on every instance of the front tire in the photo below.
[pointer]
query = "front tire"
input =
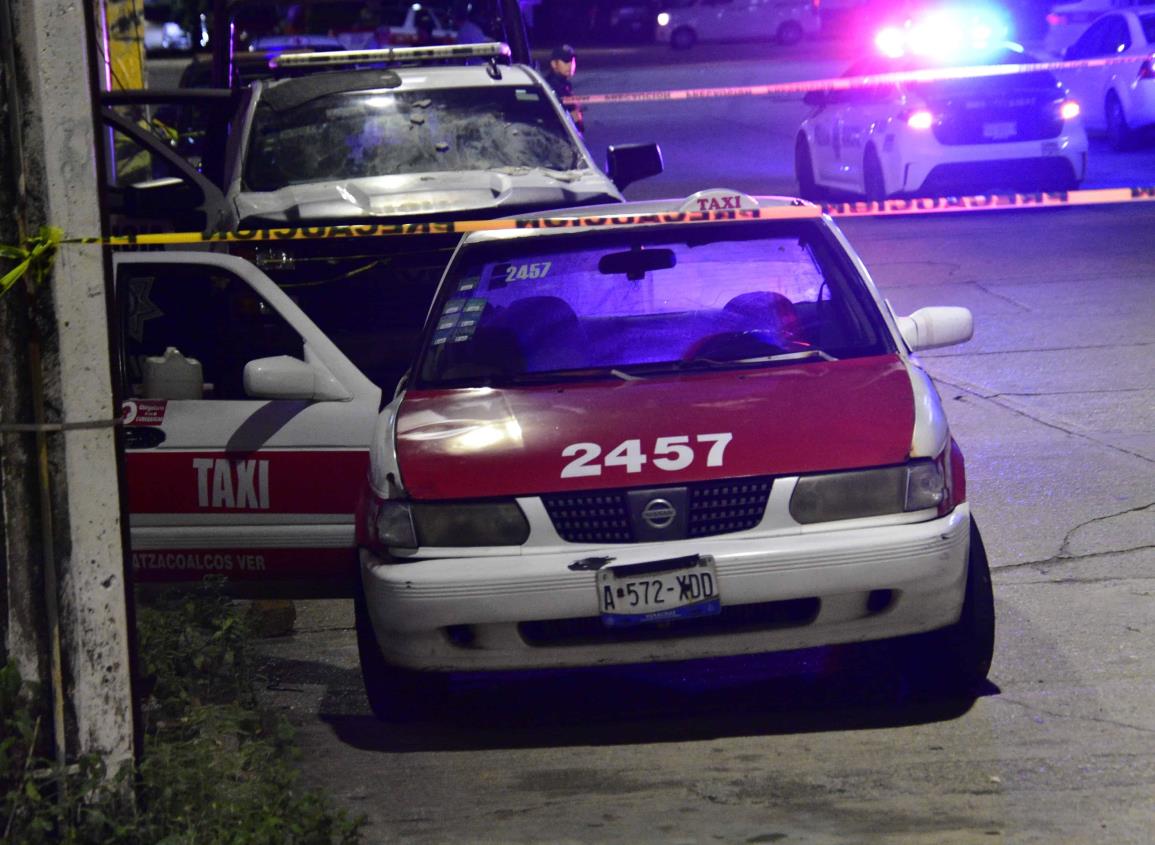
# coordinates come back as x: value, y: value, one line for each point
x: 1119, y: 133
x: 957, y: 659
x: 804, y: 171
x: 394, y: 694
x: 873, y: 180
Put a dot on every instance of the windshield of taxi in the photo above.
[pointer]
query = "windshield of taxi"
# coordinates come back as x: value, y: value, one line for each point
x: 638, y: 303
x: 360, y: 134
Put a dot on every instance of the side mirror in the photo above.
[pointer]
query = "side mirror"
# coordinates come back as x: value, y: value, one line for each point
x: 285, y: 377
x: 930, y: 328
x: 627, y: 163
x: 814, y: 98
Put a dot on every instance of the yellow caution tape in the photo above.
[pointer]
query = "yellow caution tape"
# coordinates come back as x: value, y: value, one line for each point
x: 35, y: 256
x: 862, y: 208
x: 450, y: 227
x: 988, y: 202
x: 844, y: 83
x: 37, y: 253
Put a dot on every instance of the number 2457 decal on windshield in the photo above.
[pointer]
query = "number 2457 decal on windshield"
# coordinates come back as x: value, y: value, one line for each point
x: 669, y: 453
x: 521, y: 272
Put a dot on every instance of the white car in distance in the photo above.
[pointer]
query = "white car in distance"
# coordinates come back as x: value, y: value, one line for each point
x: 683, y: 23
x: 1117, y: 98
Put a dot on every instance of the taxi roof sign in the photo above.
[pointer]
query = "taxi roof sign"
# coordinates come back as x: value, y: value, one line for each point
x: 719, y: 199
x: 487, y: 50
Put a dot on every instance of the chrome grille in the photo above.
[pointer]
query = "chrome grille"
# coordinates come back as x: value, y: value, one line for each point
x: 715, y: 507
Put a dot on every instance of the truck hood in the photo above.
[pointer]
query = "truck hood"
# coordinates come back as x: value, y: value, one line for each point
x: 812, y: 417
x: 494, y: 192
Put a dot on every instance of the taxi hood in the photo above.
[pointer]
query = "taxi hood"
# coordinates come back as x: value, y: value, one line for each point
x: 495, y: 192
x: 813, y: 417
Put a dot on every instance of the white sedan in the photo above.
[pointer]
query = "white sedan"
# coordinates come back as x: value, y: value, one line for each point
x: 1012, y: 132
x: 1117, y: 98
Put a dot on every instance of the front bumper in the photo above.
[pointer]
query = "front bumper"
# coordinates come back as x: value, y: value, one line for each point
x: 797, y: 590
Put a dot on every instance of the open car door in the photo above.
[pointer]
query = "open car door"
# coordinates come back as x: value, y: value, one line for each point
x: 247, y: 430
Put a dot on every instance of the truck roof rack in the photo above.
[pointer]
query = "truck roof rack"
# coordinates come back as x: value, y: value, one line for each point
x: 446, y: 53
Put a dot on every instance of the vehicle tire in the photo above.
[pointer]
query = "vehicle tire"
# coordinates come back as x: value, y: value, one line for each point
x: 394, y: 694
x: 956, y: 660
x: 804, y: 171
x: 683, y: 38
x: 873, y: 181
x: 1119, y: 134
x: 789, y: 33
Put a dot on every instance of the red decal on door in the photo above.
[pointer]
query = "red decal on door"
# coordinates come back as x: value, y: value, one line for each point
x: 143, y: 411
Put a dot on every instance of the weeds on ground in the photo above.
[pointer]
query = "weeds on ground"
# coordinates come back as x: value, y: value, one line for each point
x: 214, y: 768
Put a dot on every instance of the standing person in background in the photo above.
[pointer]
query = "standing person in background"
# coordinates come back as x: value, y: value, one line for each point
x: 468, y: 31
x: 424, y: 24
x: 562, y: 67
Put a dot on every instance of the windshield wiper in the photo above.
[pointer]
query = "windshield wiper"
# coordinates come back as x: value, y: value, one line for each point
x: 571, y: 375
x: 784, y: 357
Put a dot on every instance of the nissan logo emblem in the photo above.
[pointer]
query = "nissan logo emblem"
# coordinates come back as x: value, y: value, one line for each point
x: 658, y: 513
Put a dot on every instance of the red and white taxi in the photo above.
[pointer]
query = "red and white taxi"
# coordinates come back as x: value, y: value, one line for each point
x: 679, y: 430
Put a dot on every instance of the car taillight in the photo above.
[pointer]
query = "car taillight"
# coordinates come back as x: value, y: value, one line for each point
x: 920, y: 119
x: 1055, y: 19
x: 1069, y: 110
x: 1146, y: 71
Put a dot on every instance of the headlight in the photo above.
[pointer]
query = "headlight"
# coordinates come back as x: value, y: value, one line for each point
x: 873, y: 492
x: 410, y: 525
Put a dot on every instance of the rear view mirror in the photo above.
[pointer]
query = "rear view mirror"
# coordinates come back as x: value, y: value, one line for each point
x: 635, y: 263
x: 627, y: 163
x: 930, y: 328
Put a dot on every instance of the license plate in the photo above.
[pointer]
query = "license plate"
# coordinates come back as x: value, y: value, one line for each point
x: 1001, y: 130
x: 660, y: 591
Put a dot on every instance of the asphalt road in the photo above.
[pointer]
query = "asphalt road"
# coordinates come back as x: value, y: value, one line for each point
x: 1054, y: 405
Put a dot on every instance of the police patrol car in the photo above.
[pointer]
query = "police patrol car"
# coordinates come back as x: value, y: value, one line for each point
x: 663, y: 431
x: 1018, y: 131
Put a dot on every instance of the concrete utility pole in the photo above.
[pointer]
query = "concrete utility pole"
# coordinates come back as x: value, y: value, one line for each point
x: 64, y: 593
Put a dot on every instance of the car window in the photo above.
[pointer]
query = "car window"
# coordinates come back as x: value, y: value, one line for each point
x: 642, y: 302
x: 376, y: 133
x: 1117, y: 38
x: 1092, y: 42
x: 1147, y: 22
x: 212, y: 322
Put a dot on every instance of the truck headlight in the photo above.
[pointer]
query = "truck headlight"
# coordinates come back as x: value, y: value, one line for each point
x: 873, y: 492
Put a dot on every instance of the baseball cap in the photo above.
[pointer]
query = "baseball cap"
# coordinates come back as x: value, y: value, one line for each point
x: 565, y: 53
